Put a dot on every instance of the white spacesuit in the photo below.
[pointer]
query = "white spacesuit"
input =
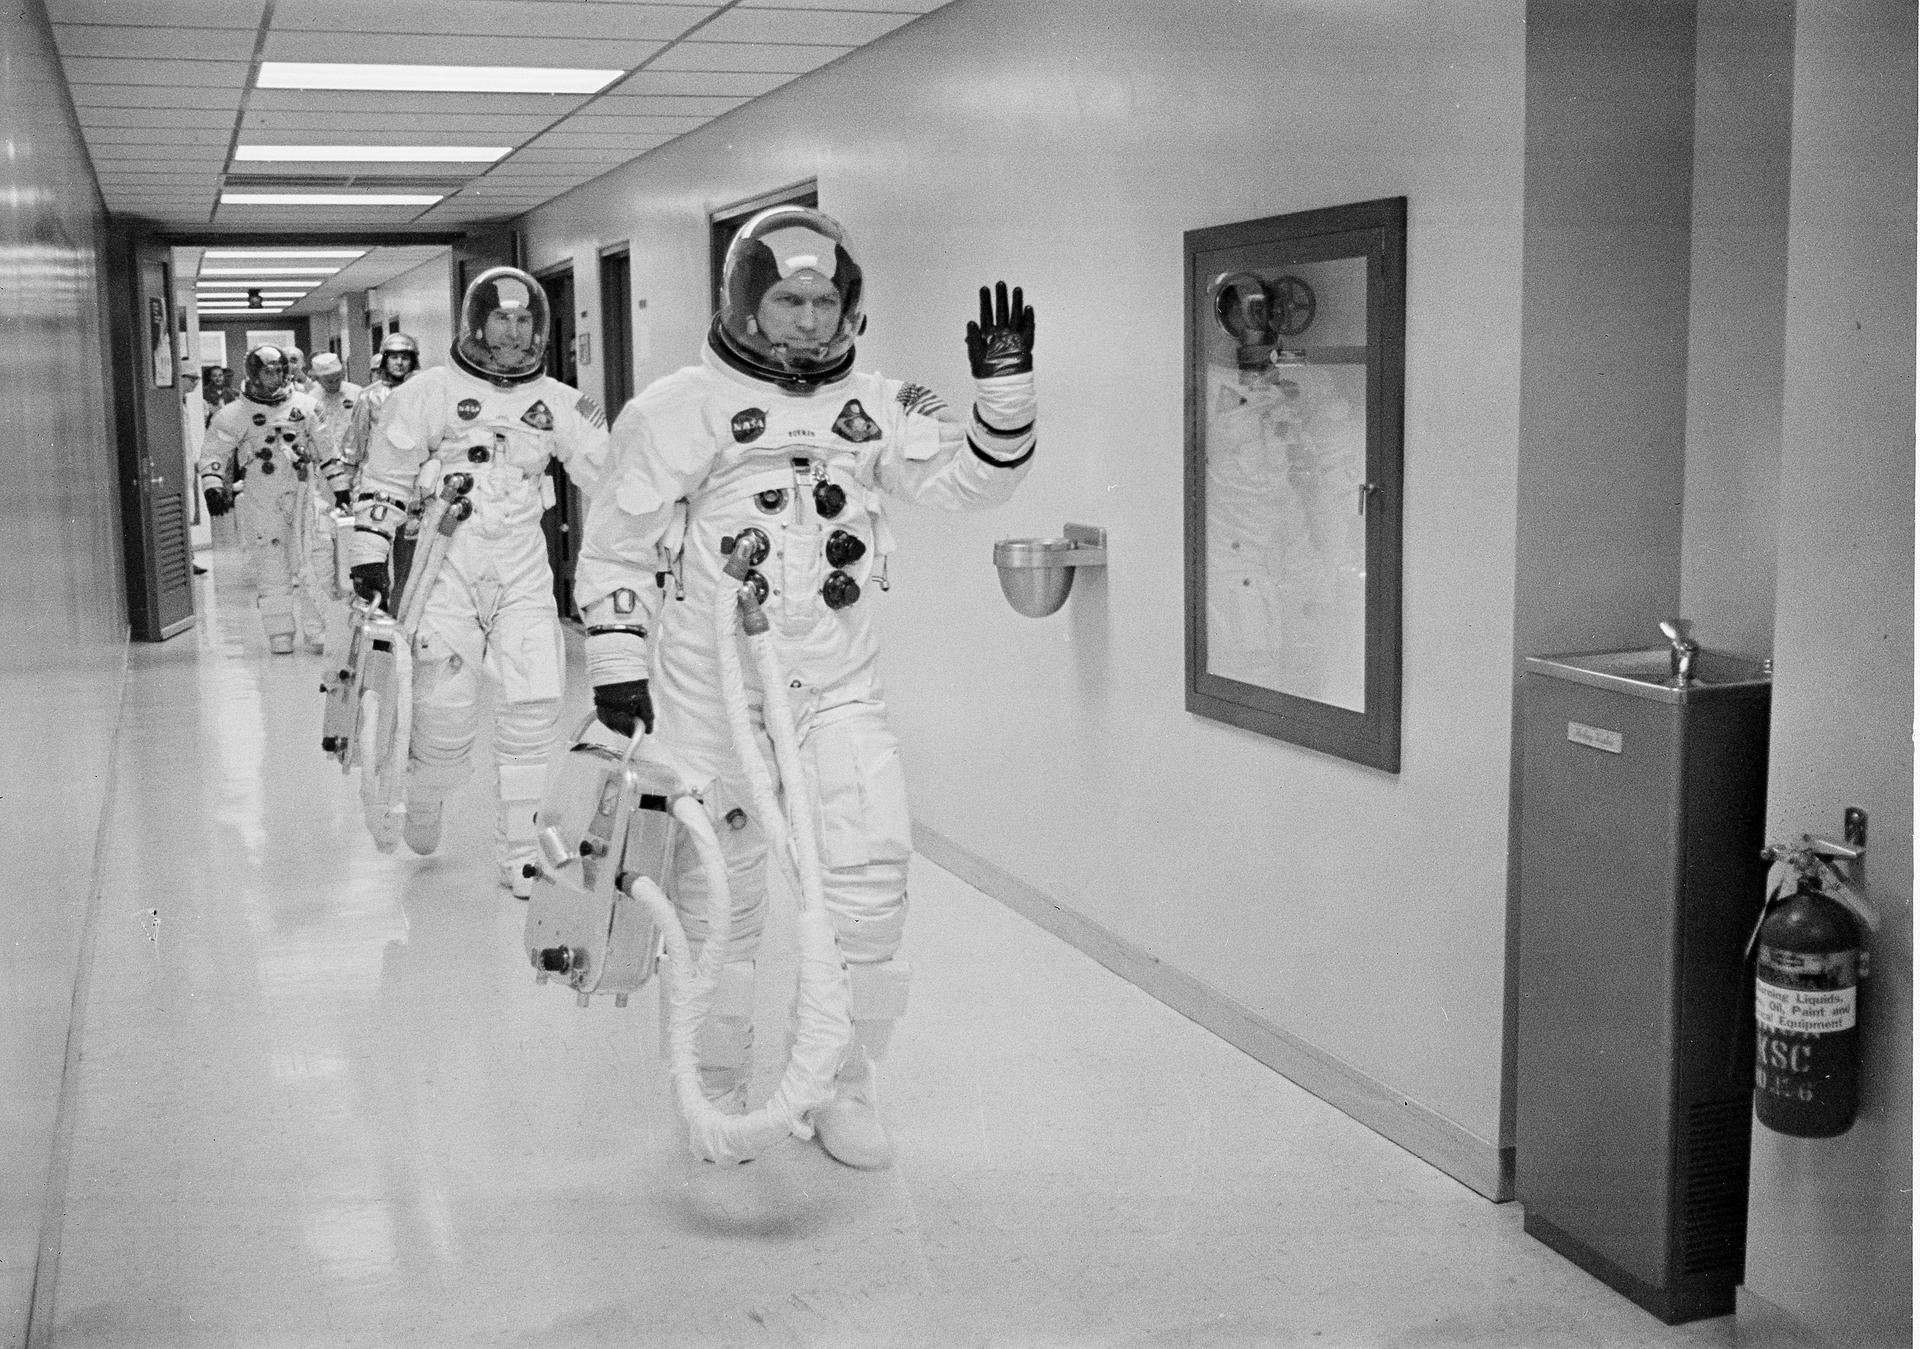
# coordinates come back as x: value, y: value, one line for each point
x: 398, y: 361
x: 298, y: 378
x: 775, y: 433
x: 336, y: 397
x: 258, y: 454
x: 494, y: 415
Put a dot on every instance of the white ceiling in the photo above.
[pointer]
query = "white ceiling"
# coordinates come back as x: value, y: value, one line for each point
x: 375, y: 267
x: 165, y: 91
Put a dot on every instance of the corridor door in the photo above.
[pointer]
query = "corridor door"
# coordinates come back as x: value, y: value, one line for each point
x: 152, y: 443
x: 561, y: 524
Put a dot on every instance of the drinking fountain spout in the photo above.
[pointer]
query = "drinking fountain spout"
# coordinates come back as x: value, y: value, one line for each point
x: 1684, y: 659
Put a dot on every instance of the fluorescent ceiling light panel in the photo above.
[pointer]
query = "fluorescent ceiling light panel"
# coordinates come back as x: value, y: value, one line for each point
x: 268, y: 271
x: 284, y: 253
x: 434, y: 79
x: 372, y: 154
x: 329, y: 199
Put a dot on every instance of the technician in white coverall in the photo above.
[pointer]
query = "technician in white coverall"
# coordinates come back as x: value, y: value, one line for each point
x: 257, y: 457
x: 494, y: 415
x: 776, y: 432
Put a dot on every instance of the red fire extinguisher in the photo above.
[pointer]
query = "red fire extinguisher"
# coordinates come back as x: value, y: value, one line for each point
x: 1809, y: 957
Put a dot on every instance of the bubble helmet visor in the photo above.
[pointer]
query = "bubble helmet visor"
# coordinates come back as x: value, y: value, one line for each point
x: 266, y: 375
x: 399, y: 344
x: 503, y: 328
x: 773, y: 246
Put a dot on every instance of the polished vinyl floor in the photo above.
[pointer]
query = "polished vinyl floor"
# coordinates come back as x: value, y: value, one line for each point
x: 321, y: 1102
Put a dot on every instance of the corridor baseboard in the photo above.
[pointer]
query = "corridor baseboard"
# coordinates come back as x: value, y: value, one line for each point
x: 1484, y: 1167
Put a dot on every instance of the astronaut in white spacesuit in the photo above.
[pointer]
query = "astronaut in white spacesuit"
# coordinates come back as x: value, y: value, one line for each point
x: 495, y: 415
x: 257, y: 457
x: 397, y: 362
x: 776, y: 433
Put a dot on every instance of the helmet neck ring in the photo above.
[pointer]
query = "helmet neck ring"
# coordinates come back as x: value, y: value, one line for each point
x: 499, y: 381
x: 756, y: 366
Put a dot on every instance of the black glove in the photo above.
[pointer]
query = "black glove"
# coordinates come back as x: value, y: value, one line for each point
x: 1001, y: 343
x: 219, y: 500
x: 343, y: 501
x: 620, y: 706
x: 370, y: 580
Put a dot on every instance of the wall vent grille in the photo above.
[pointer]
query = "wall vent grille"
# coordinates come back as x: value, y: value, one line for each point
x: 172, y: 557
x: 1714, y: 1193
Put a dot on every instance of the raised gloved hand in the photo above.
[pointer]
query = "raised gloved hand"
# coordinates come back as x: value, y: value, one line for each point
x: 343, y: 500
x: 219, y: 500
x: 1001, y: 343
x: 370, y: 580
x: 621, y: 706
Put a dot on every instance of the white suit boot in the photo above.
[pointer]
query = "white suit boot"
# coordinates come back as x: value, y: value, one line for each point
x: 849, y: 1125
x: 422, y: 827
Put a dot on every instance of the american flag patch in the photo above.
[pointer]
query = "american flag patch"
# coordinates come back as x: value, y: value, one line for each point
x: 589, y: 409
x: 918, y: 398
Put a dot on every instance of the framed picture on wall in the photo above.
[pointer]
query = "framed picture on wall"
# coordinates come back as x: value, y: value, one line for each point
x: 1295, y: 343
x: 160, y: 341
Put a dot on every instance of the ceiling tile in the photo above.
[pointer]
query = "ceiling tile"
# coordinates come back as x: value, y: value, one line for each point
x: 640, y: 127
x: 499, y: 19
x: 461, y: 49
x: 743, y: 84
x: 626, y: 142
x: 160, y: 97
x: 914, y: 7
x: 817, y: 27
x: 105, y: 163
x: 545, y: 152
x: 204, y: 119
x: 178, y: 13
x: 187, y: 44
x: 102, y: 136
x: 394, y: 109
x: 660, y: 105
x: 761, y: 56
x: 287, y: 128
x: 129, y: 71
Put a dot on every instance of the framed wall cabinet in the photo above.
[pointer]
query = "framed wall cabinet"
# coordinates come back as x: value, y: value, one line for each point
x: 1296, y: 368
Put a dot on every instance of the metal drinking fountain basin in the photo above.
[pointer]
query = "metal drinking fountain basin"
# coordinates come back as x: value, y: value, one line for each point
x: 1036, y: 575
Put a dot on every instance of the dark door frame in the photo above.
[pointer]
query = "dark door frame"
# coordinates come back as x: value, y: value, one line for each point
x: 151, y: 443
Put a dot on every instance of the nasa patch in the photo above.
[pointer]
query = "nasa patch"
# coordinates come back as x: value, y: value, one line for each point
x: 854, y: 424
x: 749, y: 426
x: 468, y: 409
x: 539, y: 417
x: 259, y: 419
